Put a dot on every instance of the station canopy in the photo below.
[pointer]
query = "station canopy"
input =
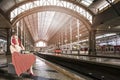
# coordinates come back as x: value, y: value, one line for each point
x: 45, y: 24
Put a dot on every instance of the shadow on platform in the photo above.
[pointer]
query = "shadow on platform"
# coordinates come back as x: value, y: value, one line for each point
x: 5, y: 75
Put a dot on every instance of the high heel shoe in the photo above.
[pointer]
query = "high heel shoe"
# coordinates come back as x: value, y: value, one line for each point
x: 31, y: 74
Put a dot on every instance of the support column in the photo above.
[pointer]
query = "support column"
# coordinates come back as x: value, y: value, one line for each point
x: 8, y: 53
x: 70, y: 36
x: 92, y: 42
x: 8, y: 41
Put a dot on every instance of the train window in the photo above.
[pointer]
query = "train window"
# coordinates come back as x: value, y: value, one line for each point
x: 112, y: 49
x: 109, y: 49
x: 106, y: 49
x: 117, y: 49
x: 98, y: 49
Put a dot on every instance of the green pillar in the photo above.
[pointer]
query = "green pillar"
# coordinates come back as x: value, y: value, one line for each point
x: 8, y: 53
x: 92, y: 42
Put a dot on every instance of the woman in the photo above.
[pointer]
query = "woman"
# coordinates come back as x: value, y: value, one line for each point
x: 21, y: 62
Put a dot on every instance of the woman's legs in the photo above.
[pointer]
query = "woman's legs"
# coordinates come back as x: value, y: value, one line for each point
x: 30, y: 71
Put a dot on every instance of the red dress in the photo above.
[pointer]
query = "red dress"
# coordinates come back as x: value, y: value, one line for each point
x: 22, y: 62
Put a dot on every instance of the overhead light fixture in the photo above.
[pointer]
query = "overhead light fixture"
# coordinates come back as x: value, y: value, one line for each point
x: 109, y: 27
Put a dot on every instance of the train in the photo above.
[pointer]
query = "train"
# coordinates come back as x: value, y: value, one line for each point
x: 84, y: 50
x: 103, y: 50
x: 108, y: 49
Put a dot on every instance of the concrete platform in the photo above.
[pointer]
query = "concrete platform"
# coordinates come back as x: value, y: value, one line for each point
x: 43, y: 70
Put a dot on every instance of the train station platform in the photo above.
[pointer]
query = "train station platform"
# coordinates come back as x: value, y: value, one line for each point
x: 66, y: 67
x: 43, y: 70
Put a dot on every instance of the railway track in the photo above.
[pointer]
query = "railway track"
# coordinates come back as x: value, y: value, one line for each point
x: 94, y: 70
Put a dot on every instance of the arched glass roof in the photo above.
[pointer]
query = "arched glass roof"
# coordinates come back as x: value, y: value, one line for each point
x: 59, y: 3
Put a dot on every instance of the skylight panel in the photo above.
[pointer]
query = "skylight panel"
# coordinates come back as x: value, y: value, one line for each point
x: 87, y: 2
x: 104, y: 4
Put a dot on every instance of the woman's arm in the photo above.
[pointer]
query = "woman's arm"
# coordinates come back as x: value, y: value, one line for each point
x: 12, y: 49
